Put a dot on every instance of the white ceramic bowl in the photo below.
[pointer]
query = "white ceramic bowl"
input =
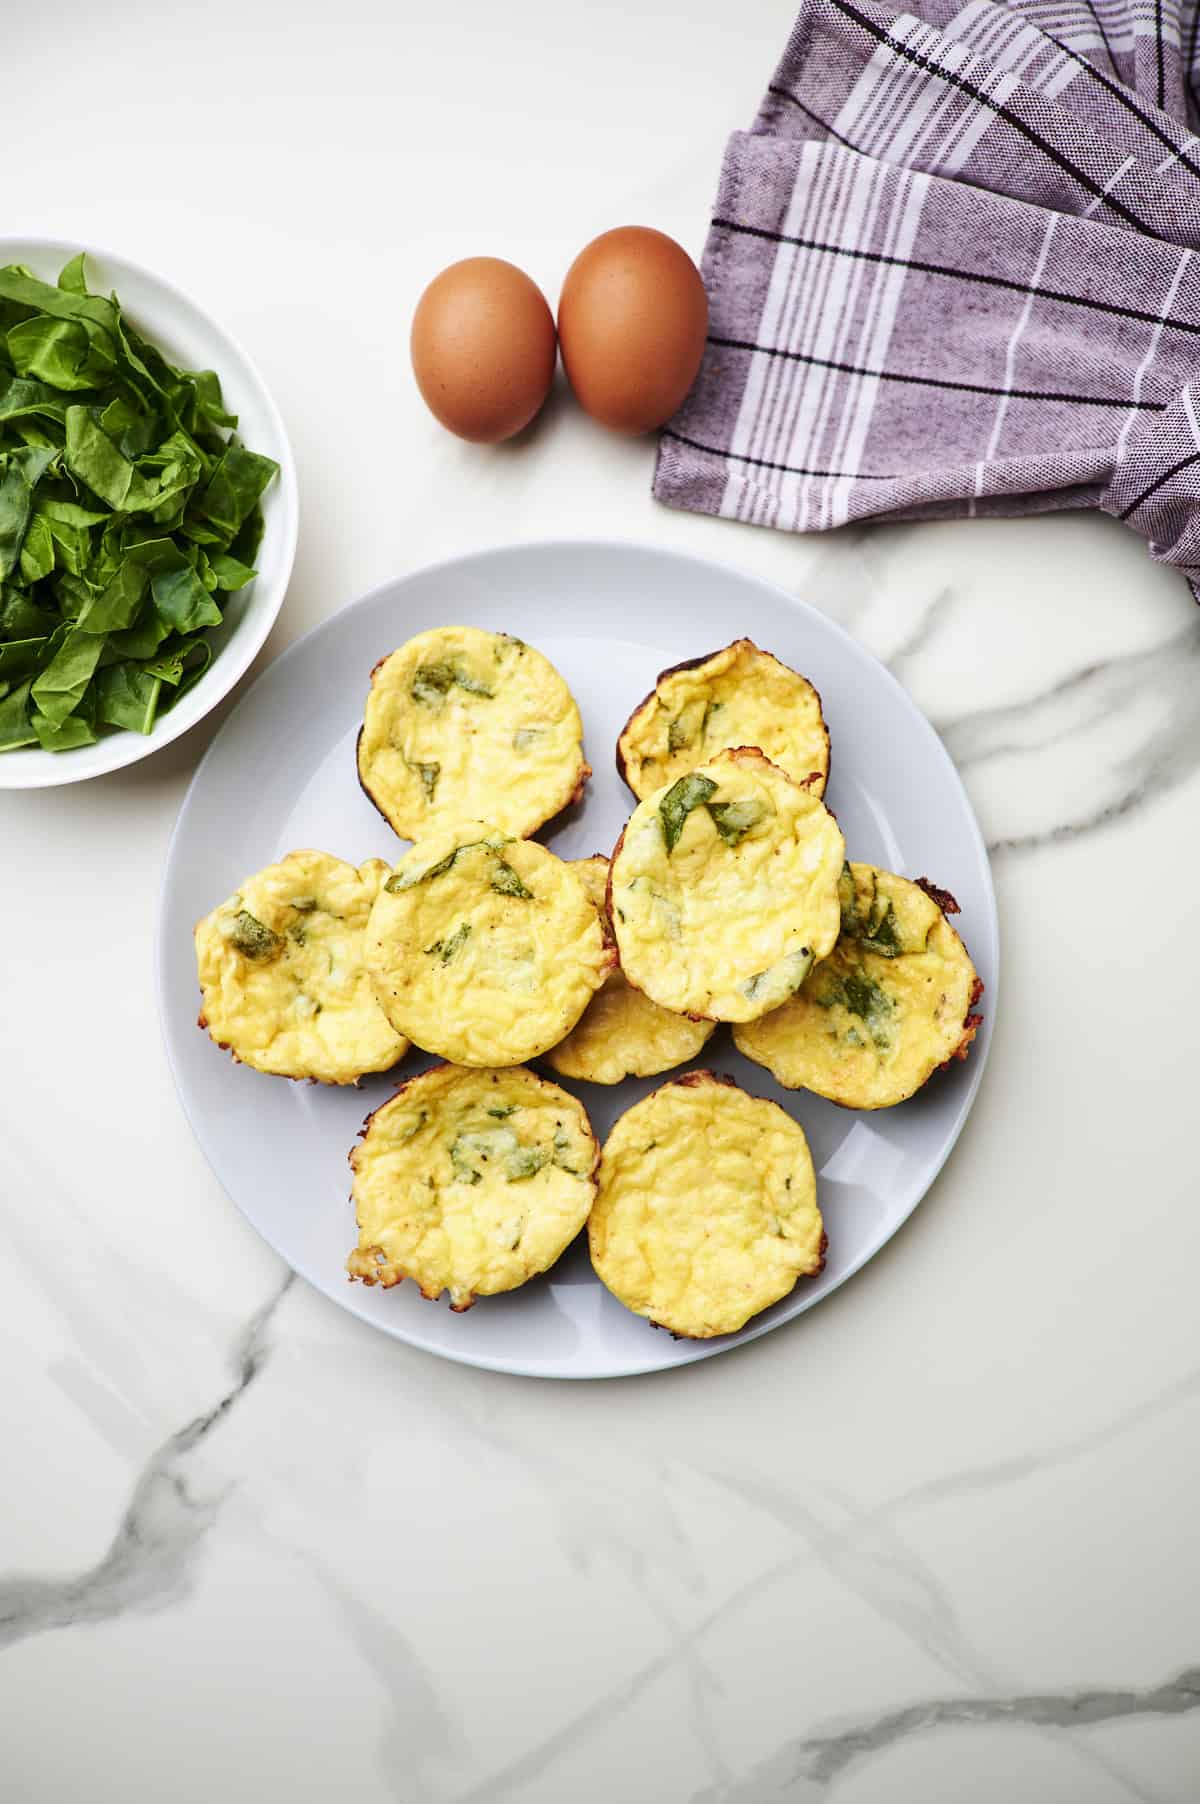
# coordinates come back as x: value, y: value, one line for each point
x: 192, y: 341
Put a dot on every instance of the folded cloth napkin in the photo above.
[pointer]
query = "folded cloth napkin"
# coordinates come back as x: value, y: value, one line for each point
x: 950, y: 272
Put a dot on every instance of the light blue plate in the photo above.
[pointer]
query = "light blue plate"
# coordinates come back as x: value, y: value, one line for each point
x: 281, y: 774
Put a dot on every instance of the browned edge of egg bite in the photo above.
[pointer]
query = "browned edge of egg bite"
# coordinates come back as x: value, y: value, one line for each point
x: 607, y: 915
x: 573, y: 800
x: 221, y: 1045
x: 575, y: 797
x: 432, y: 1296
x: 377, y: 665
x: 359, y: 775
x: 350, y: 1083
x: 971, y: 1022
x: 692, y: 1080
x: 945, y: 901
x: 606, y: 926
x: 693, y: 664
x: 815, y: 1273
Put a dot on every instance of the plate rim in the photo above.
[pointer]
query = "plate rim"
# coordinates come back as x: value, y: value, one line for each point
x: 52, y: 772
x: 698, y: 1350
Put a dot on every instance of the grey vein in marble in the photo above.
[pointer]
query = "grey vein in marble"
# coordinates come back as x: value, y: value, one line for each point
x: 927, y: 1617
x: 416, y: 1727
x: 1182, y: 1389
x: 870, y: 1559
x: 590, y: 1526
x: 805, y: 1767
x: 1100, y: 700
x: 148, y: 1565
x: 928, y: 623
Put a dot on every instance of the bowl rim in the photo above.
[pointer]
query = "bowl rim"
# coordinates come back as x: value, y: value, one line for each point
x: 52, y: 770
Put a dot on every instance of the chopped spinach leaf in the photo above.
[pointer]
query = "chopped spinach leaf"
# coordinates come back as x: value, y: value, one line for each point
x: 476, y: 1147
x: 861, y: 996
x: 792, y: 969
x: 711, y: 708
x: 399, y: 881
x: 677, y: 734
x: 563, y: 1153
x: 432, y: 683
x: 462, y: 1157
x: 524, y: 1161
x: 733, y: 820
x: 444, y: 950
x: 252, y: 938
x: 429, y: 774
x: 883, y: 935
x: 688, y: 793
x: 506, y: 882
x: 870, y: 920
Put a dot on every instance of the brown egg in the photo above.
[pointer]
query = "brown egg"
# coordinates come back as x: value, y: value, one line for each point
x: 483, y: 349
x: 632, y: 320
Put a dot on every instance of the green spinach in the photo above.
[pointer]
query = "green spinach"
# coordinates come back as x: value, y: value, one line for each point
x: 444, y: 950
x: 127, y: 516
x: 506, y: 882
x: 252, y: 937
x: 733, y: 820
x: 432, y: 683
x: 688, y: 793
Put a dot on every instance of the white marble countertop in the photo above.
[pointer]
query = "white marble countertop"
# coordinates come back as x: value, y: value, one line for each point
x: 934, y: 1540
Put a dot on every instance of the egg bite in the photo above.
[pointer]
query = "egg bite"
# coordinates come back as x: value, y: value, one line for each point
x: 470, y: 1182
x: 621, y: 1032
x: 282, y: 975
x: 462, y: 723
x: 737, y: 696
x: 483, y: 948
x: 706, y: 1210
x: 723, y: 889
x: 872, y: 1022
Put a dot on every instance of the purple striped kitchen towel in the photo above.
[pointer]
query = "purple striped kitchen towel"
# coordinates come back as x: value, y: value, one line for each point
x: 950, y: 271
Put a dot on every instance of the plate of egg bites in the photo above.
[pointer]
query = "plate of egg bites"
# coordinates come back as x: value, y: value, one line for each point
x: 594, y: 953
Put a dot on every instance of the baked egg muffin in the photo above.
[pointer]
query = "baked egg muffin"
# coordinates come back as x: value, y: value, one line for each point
x: 738, y: 696
x: 707, y: 1207
x: 462, y: 723
x: 470, y: 1182
x: 483, y: 948
x: 284, y: 984
x: 621, y: 1032
x: 723, y: 890
x: 873, y: 1021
